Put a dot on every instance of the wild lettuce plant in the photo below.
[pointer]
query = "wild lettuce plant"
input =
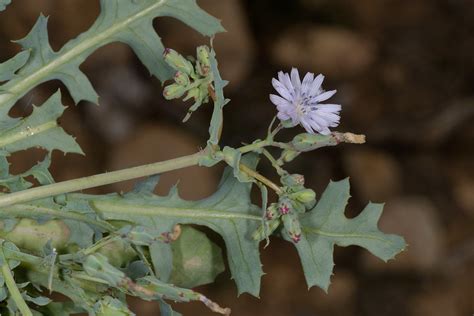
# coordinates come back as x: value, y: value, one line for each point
x: 98, y: 249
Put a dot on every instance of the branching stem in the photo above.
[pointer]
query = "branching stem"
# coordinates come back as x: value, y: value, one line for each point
x: 13, y: 288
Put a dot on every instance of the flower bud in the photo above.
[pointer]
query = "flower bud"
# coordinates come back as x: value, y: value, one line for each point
x: 284, y: 206
x: 288, y: 155
x: 263, y: 232
x: 292, y: 180
x: 173, y: 91
x: 304, y: 196
x: 141, y: 236
x: 178, y: 62
x: 203, y: 64
x: 194, y: 93
x: 306, y: 142
x: 97, y: 265
x: 292, y: 226
x: 272, y: 212
x: 181, y: 78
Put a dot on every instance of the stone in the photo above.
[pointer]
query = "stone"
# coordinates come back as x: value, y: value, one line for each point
x: 333, y: 51
x: 375, y: 174
x: 414, y: 218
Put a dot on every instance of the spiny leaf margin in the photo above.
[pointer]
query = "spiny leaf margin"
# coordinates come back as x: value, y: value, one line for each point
x: 326, y: 225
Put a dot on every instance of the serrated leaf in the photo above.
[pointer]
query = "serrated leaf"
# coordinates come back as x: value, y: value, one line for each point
x: 18, y: 182
x: 162, y: 259
x: 126, y: 21
x: 229, y: 212
x: 4, y: 3
x: 326, y: 225
x: 39, y: 300
x: 196, y: 259
x: 40, y: 129
x: 8, y: 68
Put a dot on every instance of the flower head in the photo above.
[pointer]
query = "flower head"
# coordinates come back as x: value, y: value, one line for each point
x: 299, y: 102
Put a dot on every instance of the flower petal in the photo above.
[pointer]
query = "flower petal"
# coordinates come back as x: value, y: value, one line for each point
x: 324, y: 96
x: 306, y: 84
x: 316, y: 85
x: 329, y: 108
x: 278, y: 101
x: 284, y: 78
x: 283, y: 116
x: 281, y: 89
x: 295, y: 79
x: 307, y: 127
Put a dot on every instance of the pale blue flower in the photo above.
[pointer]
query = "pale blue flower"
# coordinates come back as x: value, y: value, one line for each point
x: 299, y: 102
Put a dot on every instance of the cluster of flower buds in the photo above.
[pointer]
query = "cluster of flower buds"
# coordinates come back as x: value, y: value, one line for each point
x: 97, y: 265
x: 296, y: 200
x: 302, y: 198
x: 193, y: 78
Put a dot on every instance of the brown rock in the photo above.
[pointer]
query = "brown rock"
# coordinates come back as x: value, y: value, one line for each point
x: 153, y: 143
x: 334, y: 51
x: 415, y: 219
x: 375, y: 174
x: 436, y: 302
x: 461, y: 176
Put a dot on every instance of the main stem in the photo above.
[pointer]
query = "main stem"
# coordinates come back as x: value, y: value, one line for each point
x: 98, y: 180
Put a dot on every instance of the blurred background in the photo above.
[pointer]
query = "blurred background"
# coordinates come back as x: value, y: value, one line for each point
x: 404, y: 71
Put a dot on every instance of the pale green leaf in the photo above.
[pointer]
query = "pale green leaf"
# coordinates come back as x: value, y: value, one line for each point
x: 229, y: 212
x: 326, y: 225
x: 126, y: 21
x: 4, y: 3
x: 8, y: 68
x: 40, y: 129
x: 18, y: 182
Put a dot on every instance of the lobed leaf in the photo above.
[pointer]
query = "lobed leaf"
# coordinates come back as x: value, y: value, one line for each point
x: 40, y: 129
x: 126, y: 21
x: 326, y: 225
x: 228, y: 212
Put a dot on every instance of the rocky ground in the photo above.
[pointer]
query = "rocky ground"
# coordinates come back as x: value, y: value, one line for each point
x: 404, y: 74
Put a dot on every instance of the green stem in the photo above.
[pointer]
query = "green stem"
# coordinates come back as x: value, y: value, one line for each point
x: 87, y: 251
x: 273, y: 161
x: 25, y: 210
x: 12, y: 288
x: 254, y: 174
x: 98, y: 180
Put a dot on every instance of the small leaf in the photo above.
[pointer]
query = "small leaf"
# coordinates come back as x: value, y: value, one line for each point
x: 8, y: 68
x: 40, y: 129
x: 162, y: 259
x: 18, y: 182
x: 326, y: 226
x: 39, y: 300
